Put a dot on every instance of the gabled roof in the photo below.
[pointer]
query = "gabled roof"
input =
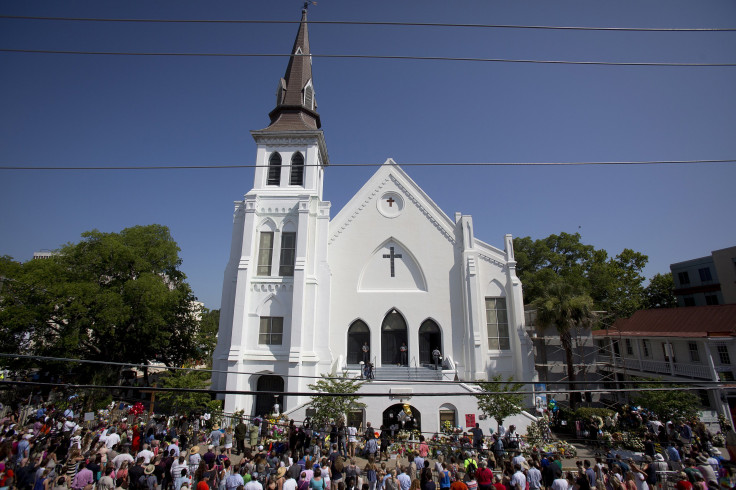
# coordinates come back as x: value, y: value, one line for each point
x: 689, y: 321
x: 389, y: 171
x: 291, y: 113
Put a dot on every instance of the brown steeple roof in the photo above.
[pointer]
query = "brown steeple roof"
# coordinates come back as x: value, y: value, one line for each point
x: 295, y: 105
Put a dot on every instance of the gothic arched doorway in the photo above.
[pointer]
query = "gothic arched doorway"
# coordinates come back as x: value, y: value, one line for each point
x: 265, y: 401
x: 393, y: 335
x: 396, y: 415
x: 358, y: 334
x: 430, y: 337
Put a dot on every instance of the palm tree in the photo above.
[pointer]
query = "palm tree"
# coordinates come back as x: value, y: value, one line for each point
x: 560, y: 305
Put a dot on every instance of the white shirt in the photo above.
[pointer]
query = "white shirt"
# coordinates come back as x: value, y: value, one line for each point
x: 118, y: 460
x: 518, y: 479
x: 290, y: 484
x: 111, y: 440
x: 146, y: 455
x: 352, y: 432
x: 559, y: 484
x: 253, y: 485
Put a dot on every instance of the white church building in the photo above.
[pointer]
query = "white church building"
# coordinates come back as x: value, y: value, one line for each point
x: 303, y: 292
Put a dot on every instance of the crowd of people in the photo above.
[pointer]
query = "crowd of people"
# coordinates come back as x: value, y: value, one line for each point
x: 52, y: 450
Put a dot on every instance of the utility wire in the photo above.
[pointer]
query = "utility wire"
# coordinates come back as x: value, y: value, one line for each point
x: 361, y: 395
x: 207, y: 370
x: 378, y: 23
x: 476, y: 164
x: 369, y: 56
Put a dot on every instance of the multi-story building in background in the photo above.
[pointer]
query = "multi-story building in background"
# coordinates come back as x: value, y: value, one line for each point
x: 709, y: 280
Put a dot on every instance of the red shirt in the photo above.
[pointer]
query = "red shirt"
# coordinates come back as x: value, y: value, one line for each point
x: 458, y: 485
x: 499, y: 486
x: 684, y: 485
x: 484, y: 476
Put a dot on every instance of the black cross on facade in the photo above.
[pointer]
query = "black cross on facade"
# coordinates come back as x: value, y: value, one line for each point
x: 390, y: 202
x: 392, y: 256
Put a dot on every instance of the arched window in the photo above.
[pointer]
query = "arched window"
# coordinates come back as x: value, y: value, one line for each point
x: 358, y: 335
x: 393, y: 338
x: 430, y: 338
x: 274, y: 169
x: 297, y: 169
x: 265, y: 401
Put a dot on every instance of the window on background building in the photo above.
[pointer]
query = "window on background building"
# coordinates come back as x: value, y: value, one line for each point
x: 497, y: 324
x: 689, y: 301
x: 602, y: 348
x: 629, y: 347
x: 723, y: 355
x: 683, y: 277
x: 705, y: 274
x: 726, y: 376
x: 265, y: 253
x: 271, y: 331
x: 667, y: 352
x: 694, y: 354
x: 288, y: 253
x: 274, y: 169
x: 711, y: 299
x: 646, y: 347
x: 296, y: 176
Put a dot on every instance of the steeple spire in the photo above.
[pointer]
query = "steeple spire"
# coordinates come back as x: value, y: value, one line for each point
x: 296, y: 108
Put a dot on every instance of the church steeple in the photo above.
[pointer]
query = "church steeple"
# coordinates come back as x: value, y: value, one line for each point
x: 296, y: 108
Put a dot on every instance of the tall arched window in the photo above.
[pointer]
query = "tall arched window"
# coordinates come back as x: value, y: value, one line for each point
x: 274, y: 169
x: 393, y: 338
x: 430, y: 338
x: 358, y: 335
x: 297, y: 169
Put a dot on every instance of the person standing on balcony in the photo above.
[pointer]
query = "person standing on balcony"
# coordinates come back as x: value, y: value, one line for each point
x: 436, y: 355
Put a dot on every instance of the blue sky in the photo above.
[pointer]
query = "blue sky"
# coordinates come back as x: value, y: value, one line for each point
x: 75, y: 110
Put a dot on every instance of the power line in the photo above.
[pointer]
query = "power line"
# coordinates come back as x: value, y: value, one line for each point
x: 369, y: 56
x: 224, y: 371
x: 377, y: 23
x: 475, y: 164
x: 361, y: 395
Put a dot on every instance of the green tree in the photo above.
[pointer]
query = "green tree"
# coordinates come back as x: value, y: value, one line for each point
x: 117, y: 297
x: 561, y: 306
x: 668, y: 404
x: 183, y: 401
x: 660, y: 293
x: 206, y: 338
x: 615, y: 284
x: 499, y: 399
x: 333, y: 408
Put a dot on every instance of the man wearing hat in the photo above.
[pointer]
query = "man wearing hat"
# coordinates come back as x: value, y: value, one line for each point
x: 194, y: 459
x: 706, y: 470
x: 149, y: 481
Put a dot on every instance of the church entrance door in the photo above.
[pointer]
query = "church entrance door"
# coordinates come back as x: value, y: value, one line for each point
x: 265, y: 401
x: 430, y: 338
x: 358, y: 335
x: 403, y: 417
x: 393, y: 335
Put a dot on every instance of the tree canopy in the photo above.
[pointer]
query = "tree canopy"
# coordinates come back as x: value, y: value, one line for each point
x: 117, y: 297
x: 660, y: 293
x: 668, y: 404
x: 499, y: 398
x: 334, y: 408
x: 615, y: 284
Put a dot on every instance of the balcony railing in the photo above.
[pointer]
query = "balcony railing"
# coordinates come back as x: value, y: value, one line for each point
x: 663, y: 367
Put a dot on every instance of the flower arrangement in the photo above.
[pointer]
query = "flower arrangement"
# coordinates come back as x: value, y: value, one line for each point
x: 136, y: 409
x: 719, y: 440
